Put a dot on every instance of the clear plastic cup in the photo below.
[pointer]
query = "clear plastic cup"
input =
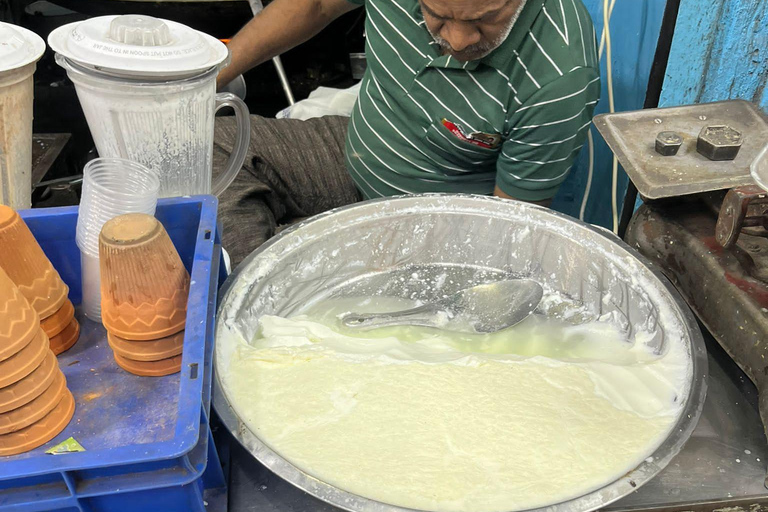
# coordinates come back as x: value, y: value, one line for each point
x: 111, y: 187
x: 91, y: 283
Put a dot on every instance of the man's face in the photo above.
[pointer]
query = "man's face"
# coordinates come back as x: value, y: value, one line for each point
x: 470, y: 29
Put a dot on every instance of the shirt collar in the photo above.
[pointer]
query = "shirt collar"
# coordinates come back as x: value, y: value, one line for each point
x: 501, y: 57
x: 448, y: 62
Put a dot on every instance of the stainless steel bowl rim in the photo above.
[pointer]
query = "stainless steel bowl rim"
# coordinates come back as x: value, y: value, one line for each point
x: 594, y: 500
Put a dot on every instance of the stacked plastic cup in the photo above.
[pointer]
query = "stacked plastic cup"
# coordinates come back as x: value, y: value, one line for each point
x: 111, y: 187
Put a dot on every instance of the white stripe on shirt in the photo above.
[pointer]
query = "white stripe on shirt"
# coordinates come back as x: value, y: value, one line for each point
x: 555, y: 100
x: 539, y: 180
x: 440, y: 71
x: 556, y: 122
x: 372, y: 4
x: 386, y: 40
x: 557, y: 68
x: 581, y: 32
x: 399, y: 84
x: 546, y: 162
x: 517, y: 55
x: 410, y: 142
x: 416, y: 80
x: 362, y: 141
x: 553, y: 143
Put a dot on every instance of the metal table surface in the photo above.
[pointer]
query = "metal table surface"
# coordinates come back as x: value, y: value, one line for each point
x: 722, y: 467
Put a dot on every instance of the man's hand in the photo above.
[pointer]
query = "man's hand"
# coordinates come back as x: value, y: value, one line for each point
x: 282, y: 25
x: 500, y: 193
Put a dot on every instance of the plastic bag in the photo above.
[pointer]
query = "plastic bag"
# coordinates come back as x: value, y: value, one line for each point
x: 323, y: 101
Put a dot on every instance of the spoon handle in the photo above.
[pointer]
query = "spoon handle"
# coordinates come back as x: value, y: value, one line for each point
x: 423, y: 316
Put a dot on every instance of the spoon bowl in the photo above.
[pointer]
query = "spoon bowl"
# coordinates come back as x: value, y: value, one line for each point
x: 485, y: 308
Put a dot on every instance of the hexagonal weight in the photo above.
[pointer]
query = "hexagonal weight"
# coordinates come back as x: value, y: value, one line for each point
x: 668, y: 143
x: 719, y: 143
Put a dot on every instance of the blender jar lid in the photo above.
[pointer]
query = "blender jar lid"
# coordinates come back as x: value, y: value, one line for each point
x: 18, y: 47
x: 138, y: 46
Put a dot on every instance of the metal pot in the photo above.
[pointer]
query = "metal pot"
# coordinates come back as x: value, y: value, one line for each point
x: 364, y: 249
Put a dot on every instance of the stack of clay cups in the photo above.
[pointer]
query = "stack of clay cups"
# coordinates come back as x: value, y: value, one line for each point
x: 111, y: 187
x: 144, y: 289
x: 22, y: 258
x: 35, y: 404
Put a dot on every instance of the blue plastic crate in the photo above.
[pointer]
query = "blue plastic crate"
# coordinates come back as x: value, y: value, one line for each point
x: 147, y: 440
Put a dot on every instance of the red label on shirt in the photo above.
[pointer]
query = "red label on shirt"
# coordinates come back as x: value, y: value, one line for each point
x: 483, y: 140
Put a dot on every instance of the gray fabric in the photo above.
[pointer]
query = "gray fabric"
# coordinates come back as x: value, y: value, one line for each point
x: 294, y: 169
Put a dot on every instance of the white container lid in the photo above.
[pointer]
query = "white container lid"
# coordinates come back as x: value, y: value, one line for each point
x: 18, y: 47
x: 138, y: 46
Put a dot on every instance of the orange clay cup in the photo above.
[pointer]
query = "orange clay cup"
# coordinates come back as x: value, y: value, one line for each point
x: 30, y: 387
x: 19, y: 323
x: 144, y: 285
x: 58, y: 321
x: 26, y: 264
x: 25, y: 361
x: 35, y: 410
x: 148, y: 350
x: 150, y: 368
x: 66, y: 339
x: 41, y: 431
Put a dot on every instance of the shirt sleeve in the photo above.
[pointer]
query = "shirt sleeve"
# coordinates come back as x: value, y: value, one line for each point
x: 546, y: 134
x: 357, y: 2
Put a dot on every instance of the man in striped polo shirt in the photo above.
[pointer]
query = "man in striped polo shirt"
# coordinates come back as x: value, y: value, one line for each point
x: 486, y: 97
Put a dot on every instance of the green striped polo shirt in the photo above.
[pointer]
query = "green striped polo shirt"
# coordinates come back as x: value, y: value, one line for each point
x: 537, y: 92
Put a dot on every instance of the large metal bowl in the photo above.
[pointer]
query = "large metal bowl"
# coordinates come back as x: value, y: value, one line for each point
x: 366, y: 248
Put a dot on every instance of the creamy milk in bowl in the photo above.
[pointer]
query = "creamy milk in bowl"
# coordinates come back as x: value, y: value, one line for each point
x: 572, y: 409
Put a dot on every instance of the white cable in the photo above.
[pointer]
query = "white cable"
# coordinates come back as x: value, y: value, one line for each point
x: 590, y: 141
x: 588, y: 188
x: 612, y: 109
x: 602, y: 36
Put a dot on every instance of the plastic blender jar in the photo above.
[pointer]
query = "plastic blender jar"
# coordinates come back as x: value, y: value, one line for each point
x: 148, y: 90
x: 20, y: 50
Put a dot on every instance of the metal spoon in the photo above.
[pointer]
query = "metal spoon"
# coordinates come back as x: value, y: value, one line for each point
x: 484, y: 308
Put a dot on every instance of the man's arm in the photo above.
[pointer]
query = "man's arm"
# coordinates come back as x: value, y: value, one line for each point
x: 282, y: 25
x: 500, y: 193
x: 546, y: 135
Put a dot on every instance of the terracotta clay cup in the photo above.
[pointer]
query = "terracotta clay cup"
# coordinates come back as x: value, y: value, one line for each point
x: 25, y: 361
x: 19, y: 323
x: 144, y: 285
x: 26, y: 264
x: 36, y: 409
x: 66, y: 339
x: 30, y: 387
x: 147, y: 350
x: 40, y: 432
x: 159, y: 368
x: 58, y: 321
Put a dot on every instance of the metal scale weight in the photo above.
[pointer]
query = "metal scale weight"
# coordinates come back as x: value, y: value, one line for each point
x: 703, y: 222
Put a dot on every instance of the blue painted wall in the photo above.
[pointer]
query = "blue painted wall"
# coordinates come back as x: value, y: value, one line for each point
x: 719, y: 53
x: 635, y: 30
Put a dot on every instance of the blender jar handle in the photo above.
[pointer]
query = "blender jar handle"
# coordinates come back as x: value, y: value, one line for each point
x: 240, y: 149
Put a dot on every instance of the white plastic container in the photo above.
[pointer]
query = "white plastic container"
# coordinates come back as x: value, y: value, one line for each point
x: 148, y: 90
x: 111, y: 187
x: 20, y: 50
